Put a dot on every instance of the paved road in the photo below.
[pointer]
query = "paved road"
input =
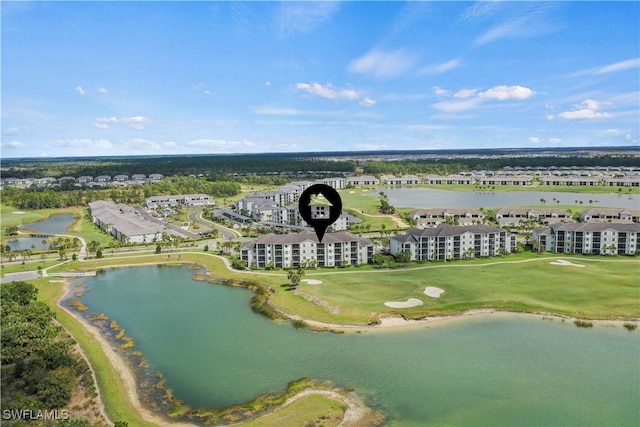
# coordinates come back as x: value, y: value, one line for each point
x: 197, y: 218
x: 167, y: 224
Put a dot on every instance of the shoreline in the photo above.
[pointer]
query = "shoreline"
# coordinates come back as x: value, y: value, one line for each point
x: 355, y: 410
x: 119, y: 364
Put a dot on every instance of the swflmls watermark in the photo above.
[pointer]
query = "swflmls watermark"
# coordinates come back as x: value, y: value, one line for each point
x: 35, y: 414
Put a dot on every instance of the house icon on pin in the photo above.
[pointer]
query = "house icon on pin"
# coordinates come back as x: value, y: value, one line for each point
x: 320, y: 207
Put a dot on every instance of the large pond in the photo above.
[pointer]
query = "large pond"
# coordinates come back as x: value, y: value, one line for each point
x: 483, y: 370
x: 430, y: 198
x: 55, y: 224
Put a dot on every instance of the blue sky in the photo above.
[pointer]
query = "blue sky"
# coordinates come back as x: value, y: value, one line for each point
x: 139, y: 78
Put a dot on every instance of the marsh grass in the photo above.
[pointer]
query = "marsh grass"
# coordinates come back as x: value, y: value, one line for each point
x: 77, y: 305
x: 583, y: 323
x: 630, y: 326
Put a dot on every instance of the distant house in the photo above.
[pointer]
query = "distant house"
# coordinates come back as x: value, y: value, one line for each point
x: 84, y: 179
x: 572, y: 180
x: 138, y: 177
x: 362, y: 180
x: 121, y: 178
x: 506, y: 180
x: 453, y: 242
x: 588, y: 238
x: 513, y: 216
x: 627, y: 181
x: 610, y: 215
x: 433, y: 217
x: 102, y: 178
x: 154, y: 177
x: 448, y: 180
x: 403, y: 180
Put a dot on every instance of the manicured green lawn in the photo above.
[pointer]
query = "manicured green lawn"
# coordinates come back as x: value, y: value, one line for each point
x: 606, y: 288
x: 305, y: 411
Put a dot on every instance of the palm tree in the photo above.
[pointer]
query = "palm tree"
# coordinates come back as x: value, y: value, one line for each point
x: 543, y: 201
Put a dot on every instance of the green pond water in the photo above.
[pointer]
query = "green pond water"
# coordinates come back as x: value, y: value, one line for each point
x: 483, y: 370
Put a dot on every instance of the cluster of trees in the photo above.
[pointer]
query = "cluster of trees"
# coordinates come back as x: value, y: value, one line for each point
x: 385, y: 207
x: 39, y: 367
x: 48, y: 198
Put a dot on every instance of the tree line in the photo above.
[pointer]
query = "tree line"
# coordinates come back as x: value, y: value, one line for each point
x: 48, y: 198
x: 40, y: 369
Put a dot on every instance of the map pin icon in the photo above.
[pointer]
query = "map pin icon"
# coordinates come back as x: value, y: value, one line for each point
x: 320, y: 206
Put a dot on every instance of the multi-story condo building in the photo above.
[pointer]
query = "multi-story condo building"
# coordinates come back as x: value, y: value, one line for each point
x: 179, y: 199
x: 623, y: 181
x: 124, y: 223
x: 453, y: 242
x: 294, y: 250
x: 513, y: 216
x: 588, y: 238
x: 434, y: 216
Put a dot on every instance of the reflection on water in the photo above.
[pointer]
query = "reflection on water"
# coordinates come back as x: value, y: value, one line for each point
x: 488, y: 370
x: 430, y: 198
x: 55, y: 224
x: 26, y: 243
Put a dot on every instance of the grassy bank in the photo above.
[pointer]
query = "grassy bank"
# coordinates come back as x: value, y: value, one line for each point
x: 605, y: 288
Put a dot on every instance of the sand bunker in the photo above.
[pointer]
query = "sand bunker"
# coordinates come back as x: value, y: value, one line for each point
x: 433, y: 292
x: 18, y: 212
x: 411, y: 302
x: 312, y: 281
x: 567, y: 263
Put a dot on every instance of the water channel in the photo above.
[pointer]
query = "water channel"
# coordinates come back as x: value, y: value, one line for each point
x: 480, y: 370
x: 408, y: 197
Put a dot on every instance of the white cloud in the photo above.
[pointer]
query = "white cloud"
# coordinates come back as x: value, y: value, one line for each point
x: 136, y: 122
x: 102, y: 90
x: 368, y: 102
x: 534, y: 139
x: 276, y: 111
x: 480, y: 10
x: 527, y: 19
x: 455, y: 106
x: 101, y: 125
x: 370, y: 147
x: 467, y: 99
x: 287, y: 147
x: 14, y: 130
x: 503, y: 93
x: 441, y: 68
x: 587, y: 109
x: 80, y: 90
x: 12, y: 145
x: 267, y: 83
x: 619, y: 66
x: 465, y: 93
x: 439, y: 91
x: 141, y: 144
x: 221, y: 145
x: 383, y: 65
x: 303, y: 17
x: 555, y: 140
x: 170, y: 145
x: 328, y: 91
x: 93, y: 146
